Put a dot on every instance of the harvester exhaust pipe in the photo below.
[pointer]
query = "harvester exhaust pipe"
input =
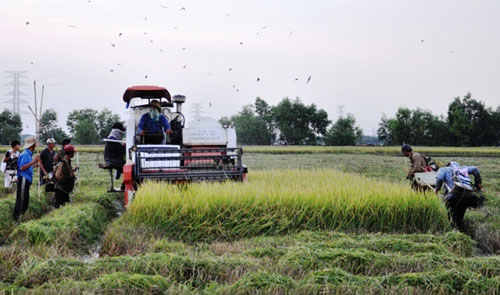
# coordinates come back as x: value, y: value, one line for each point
x: 179, y: 100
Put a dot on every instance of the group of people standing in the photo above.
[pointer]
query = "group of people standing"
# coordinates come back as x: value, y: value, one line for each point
x: 459, y: 191
x: 55, y: 171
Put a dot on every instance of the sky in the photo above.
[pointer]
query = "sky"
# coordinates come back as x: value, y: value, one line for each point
x: 370, y: 57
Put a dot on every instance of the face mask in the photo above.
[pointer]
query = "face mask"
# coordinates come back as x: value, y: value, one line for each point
x: 154, y: 114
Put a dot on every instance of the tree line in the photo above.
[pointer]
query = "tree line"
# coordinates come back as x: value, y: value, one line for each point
x: 468, y: 122
x: 291, y: 122
x: 85, y: 126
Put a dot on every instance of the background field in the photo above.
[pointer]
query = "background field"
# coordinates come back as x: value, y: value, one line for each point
x: 88, y: 246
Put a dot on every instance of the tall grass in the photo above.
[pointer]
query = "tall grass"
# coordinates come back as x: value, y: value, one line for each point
x: 281, y: 202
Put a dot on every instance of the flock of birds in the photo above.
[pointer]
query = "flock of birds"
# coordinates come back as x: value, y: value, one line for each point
x: 120, y: 34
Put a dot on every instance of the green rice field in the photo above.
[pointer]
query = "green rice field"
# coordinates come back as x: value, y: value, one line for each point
x: 309, y: 220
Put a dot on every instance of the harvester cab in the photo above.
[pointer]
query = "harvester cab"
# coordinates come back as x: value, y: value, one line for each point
x: 204, y: 151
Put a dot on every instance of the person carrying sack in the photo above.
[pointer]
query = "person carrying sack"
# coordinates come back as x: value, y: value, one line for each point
x: 65, y: 176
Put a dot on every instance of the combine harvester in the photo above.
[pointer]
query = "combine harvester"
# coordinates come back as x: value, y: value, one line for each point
x: 206, y: 151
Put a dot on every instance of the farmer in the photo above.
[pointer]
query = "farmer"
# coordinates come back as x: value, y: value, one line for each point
x: 47, y: 161
x: 114, y: 152
x: 9, y: 164
x: 60, y: 155
x: 459, y: 193
x: 65, y: 176
x: 417, y: 161
x: 25, y: 165
x: 153, y: 124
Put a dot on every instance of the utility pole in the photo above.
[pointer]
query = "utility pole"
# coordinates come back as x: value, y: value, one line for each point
x: 16, y: 92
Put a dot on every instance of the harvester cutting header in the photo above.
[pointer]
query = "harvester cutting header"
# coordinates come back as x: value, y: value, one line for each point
x: 160, y: 147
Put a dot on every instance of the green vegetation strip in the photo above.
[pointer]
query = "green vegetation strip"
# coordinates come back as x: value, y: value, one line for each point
x: 281, y: 202
x: 36, y: 209
x: 304, y: 263
x: 376, y: 150
x: 72, y: 226
x: 372, y: 150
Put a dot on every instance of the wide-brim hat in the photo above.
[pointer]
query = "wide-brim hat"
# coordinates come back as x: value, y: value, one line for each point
x: 155, y: 104
x: 29, y: 142
x: 50, y: 140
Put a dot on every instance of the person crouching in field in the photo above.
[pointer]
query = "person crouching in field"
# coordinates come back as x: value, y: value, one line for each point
x: 25, y: 165
x: 417, y: 161
x: 9, y: 164
x: 459, y: 193
x: 65, y: 176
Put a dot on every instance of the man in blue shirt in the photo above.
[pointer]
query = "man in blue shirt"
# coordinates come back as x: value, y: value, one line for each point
x: 459, y: 193
x: 153, y: 124
x: 25, y: 165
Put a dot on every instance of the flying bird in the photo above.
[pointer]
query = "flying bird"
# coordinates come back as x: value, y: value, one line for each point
x: 151, y: 41
x: 145, y: 33
x: 146, y: 76
x: 290, y: 34
x: 230, y: 69
x: 120, y: 34
x: 145, y: 18
x: 264, y: 27
x: 209, y: 104
x: 161, y: 50
x: 183, y: 48
x: 163, y: 6
x: 31, y: 63
x: 112, y: 45
x: 184, y: 66
x: 422, y: 41
x: 451, y: 51
x: 258, y: 79
x: 72, y: 26
x: 183, y: 8
x: 111, y: 70
x: 28, y: 23
x: 309, y: 79
x: 296, y: 79
x: 241, y: 43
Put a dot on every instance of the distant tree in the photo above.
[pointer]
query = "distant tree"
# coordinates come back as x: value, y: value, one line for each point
x: 250, y: 128
x: 226, y: 121
x: 49, y: 128
x: 418, y: 127
x: 10, y: 127
x: 85, y: 132
x: 265, y: 113
x: 471, y: 123
x: 299, y: 124
x: 344, y: 132
x: 102, y: 121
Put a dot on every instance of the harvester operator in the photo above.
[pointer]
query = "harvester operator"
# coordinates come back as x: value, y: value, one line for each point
x: 153, y: 124
x: 459, y: 193
x: 417, y: 161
